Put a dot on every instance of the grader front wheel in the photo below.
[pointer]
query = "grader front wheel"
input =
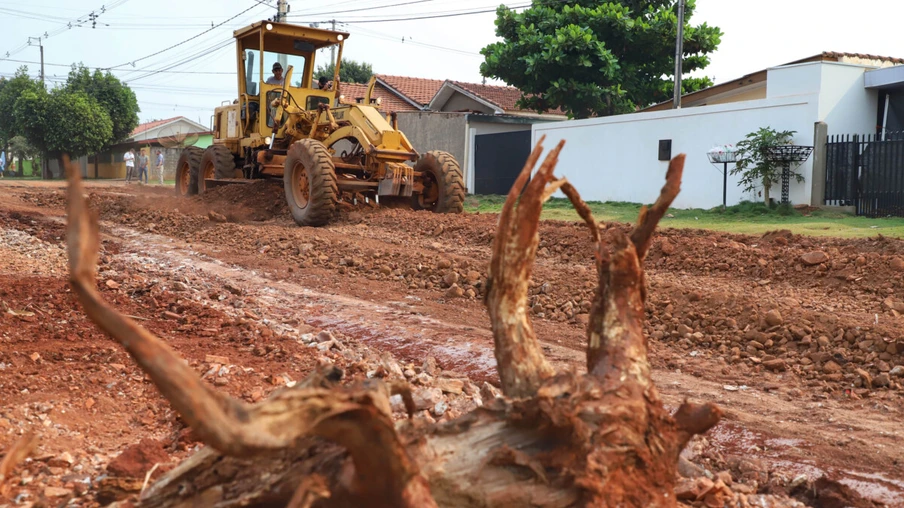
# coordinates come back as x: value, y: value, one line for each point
x: 310, y: 183
x: 444, y: 187
x: 187, y: 171
x: 217, y: 162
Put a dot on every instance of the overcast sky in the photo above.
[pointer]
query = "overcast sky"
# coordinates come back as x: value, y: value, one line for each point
x: 757, y: 35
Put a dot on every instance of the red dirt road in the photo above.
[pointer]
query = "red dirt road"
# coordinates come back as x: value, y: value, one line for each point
x: 799, y: 340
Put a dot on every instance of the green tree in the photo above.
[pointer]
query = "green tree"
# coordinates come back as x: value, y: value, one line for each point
x: 63, y: 121
x: 117, y: 99
x: 594, y: 57
x: 350, y: 71
x: 10, y: 90
x: 753, y: 161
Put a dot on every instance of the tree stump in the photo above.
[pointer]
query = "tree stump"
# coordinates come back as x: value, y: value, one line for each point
x: 556, y: 439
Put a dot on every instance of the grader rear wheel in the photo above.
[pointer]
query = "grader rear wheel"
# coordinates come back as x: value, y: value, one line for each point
x: 310, y: 183
x: 217, y: 162
x: 187, y: 171
x: 444, y: 188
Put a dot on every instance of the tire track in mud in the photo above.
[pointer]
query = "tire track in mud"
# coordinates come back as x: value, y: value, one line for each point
x: 798, y: 438
x: 820, y: 432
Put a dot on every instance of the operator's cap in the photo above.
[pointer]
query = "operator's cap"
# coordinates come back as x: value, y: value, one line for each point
x: 277, y: 66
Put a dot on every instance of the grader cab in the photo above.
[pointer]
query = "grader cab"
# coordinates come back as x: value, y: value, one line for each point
x: 327, y: 147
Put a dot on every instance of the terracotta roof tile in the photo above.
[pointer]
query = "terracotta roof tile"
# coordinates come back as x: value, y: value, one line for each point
x: 153, y: 125
x: 390, y: 101
x: 865, y: 56
x: 505, y: 97
x: 420, y: 90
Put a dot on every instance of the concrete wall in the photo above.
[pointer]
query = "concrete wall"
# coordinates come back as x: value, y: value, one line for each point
x: 436, y: 131
x: 616, y: 158
x: 844, y: 103
x: 802, y: 79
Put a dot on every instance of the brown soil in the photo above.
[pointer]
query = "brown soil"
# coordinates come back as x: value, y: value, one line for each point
x: 802, y: 357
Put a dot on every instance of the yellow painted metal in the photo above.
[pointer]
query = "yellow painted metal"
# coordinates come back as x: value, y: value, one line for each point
x: 319, y: 37
x: 308, y: 112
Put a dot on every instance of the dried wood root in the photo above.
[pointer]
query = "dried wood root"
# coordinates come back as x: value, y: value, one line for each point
x: 556, y: 440
x: 17, y: 453
x: 357, y: 419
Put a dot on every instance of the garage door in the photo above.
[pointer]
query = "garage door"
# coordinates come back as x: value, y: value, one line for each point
x: 498, y: 158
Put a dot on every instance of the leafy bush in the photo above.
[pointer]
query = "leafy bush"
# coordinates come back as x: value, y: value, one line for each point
x: 754, y: 164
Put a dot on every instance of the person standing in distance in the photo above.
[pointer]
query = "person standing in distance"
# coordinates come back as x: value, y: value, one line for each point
x: 129, y: 157
x: 142, y: 166
x: 160, y: 165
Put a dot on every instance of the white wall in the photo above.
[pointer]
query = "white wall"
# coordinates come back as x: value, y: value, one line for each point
x: 844, y: 103
x: 615, y: 158
x: 800, y: 79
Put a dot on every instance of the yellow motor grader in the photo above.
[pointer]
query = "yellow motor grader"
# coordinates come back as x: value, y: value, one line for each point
x: 327, y: 147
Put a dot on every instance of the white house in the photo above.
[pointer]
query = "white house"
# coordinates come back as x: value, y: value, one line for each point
x: 617, y: 158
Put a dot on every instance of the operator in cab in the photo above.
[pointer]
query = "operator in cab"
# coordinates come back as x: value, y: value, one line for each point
x: 277, y: 77
x: 324, y: 84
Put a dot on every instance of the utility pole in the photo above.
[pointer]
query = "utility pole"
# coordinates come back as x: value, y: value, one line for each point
x: 333, y: 47
x: 679, y: 53
x: 282, y: 8
x: 40, y: 45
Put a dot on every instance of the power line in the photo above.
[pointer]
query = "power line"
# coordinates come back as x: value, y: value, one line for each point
x: 78, y: 22
x: 132, y: 62
x: 407, y: 40
x: 360, y: 9
x: 416, y: 15
x: 174, y: 106
x: 434, y: 16
x: 130, y: 70
x: 207, y: 51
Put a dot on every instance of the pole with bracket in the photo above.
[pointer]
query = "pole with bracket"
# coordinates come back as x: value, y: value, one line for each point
x: 679, y: 52
x: 41, y: 46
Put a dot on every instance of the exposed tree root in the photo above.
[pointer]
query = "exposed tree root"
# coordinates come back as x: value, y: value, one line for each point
x: 556, y: 440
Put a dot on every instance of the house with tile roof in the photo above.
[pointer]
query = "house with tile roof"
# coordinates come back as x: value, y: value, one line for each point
x: 846, y: 108
x: 157, y: 129
x: 488, y: 99
x: 479, y: 124
x: 168, y: 135
x: 416, y: 92
x: 753, y: 86
x: 396, y: 93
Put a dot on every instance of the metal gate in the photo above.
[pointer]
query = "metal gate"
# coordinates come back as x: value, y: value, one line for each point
x: 866, y: 172
x: 498, y: 158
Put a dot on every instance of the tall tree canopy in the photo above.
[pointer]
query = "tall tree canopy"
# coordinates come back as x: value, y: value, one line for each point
x: 63, y: 121
x: 596, y: 58
x: 10, y: 90
x: 89, y: 113
x: 117, y: 99
x: 350, y: 71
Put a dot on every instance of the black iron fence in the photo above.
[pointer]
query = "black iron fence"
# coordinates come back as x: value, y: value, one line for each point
x: 866, y: 172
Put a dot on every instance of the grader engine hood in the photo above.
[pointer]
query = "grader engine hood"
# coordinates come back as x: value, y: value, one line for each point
x: 376, y: 135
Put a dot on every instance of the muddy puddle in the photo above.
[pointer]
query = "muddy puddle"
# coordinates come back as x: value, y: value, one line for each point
x: 788, y: 455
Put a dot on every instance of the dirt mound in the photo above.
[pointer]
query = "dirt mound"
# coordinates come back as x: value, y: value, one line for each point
x: 136, y: 460
x: 260, y: 200
x: 743, y: 313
